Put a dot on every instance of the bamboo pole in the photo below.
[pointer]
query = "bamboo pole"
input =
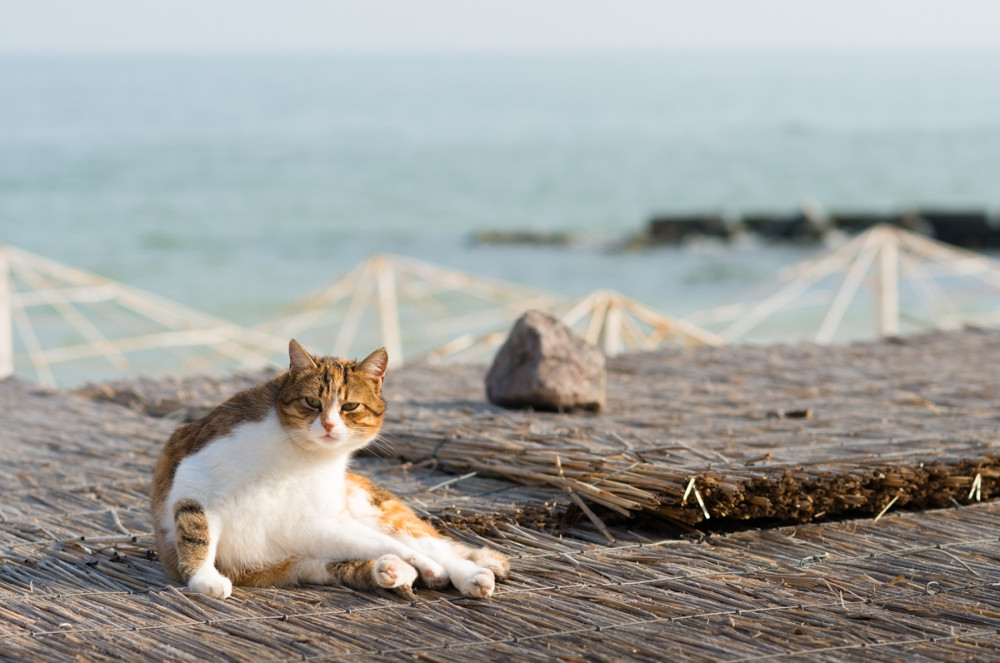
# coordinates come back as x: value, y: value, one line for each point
x: 609, y: 319
x: 855, y: 275
x: 580, y: 309
x: 216, y: 338
x: 311, y: 310
x: 360, y: 291
x: 36, y: 354
x: 6, y: 321
x: 388, y: 311
x: 384, y: 283
x: 937, y: 304
x: 888, y: 288
x: 667, y: 325
x: 963, y: 262
x: 160, y: 310
x: 59, y: 286
x: 613, y: 322
x: 73, y: 294
x: 488, y: 288
x: 598, y: 315
x: 74, y: 317
x: 633, y: 336
x: 457, y: 345
x: 804, y: 277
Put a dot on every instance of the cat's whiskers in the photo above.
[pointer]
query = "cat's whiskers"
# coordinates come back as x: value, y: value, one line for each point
x: 381, y: 446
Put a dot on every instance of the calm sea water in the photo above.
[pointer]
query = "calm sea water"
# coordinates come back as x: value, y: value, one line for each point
x: 237, y: 184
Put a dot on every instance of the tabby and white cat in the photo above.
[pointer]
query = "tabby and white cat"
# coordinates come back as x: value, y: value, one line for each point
x: 257, y: 493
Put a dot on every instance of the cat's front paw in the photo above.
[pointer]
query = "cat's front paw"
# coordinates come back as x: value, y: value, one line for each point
x: 480, y: 585
x: 390, y: 572
x: 210, y: 582
x: 433, y: 574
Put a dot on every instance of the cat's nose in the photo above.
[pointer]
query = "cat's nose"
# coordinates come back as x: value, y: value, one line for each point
x: 328, y: 426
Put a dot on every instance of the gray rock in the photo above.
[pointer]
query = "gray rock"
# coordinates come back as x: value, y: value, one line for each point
x: 547, y: 366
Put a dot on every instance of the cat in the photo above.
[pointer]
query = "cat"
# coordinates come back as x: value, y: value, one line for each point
x: 257, y: 493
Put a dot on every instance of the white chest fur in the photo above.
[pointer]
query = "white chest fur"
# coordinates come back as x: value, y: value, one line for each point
x: 264, y: 495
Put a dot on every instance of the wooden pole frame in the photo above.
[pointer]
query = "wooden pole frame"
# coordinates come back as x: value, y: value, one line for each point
x: 156, y: 323
x: 887, y: 294
x: 6, y: 319
x: 606, y: 318
x: 383, y: 284
x: 882, y: 259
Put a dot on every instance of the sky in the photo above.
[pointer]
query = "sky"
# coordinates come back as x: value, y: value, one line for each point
x: 491, y: 26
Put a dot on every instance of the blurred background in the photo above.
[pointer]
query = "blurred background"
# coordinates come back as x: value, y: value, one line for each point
x: 236, y: 157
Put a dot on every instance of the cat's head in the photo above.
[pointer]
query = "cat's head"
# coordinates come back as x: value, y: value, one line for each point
x: 332, y: 405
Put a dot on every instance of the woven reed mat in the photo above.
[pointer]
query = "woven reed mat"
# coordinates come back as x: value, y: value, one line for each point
x: 790, y: 433
x: 914, y: 420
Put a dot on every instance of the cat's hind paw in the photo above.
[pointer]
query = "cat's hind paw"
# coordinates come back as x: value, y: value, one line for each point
x: 431, y: 573
x: 390, y: 572
x: 493, y: 560
x: 210, y: 582
x: 478, y: 586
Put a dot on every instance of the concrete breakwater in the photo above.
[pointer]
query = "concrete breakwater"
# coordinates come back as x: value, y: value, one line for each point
x: 973, y: 229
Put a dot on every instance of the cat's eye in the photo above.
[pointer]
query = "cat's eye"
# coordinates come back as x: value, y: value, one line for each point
x: 314, y: 403
x: 349, y: 407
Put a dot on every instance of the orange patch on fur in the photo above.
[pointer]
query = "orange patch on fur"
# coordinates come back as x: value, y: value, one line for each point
x: 394, y: 514
x: 278, y: 574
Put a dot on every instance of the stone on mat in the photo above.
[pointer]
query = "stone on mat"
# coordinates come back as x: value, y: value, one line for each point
x: 546, y: 365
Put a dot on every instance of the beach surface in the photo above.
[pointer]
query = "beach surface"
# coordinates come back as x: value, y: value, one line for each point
x: 742, y: 503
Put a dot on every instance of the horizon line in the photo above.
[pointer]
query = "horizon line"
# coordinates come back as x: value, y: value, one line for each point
x: 701, y: 50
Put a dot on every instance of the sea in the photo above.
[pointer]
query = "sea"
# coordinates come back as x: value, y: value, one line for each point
x: 237, y: 184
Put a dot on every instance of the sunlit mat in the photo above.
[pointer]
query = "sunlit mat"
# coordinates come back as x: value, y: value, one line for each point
x: 893, y: 583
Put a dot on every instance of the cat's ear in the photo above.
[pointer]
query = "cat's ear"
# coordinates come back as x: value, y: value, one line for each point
x: 298, y: 359
x: 374, y: 366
